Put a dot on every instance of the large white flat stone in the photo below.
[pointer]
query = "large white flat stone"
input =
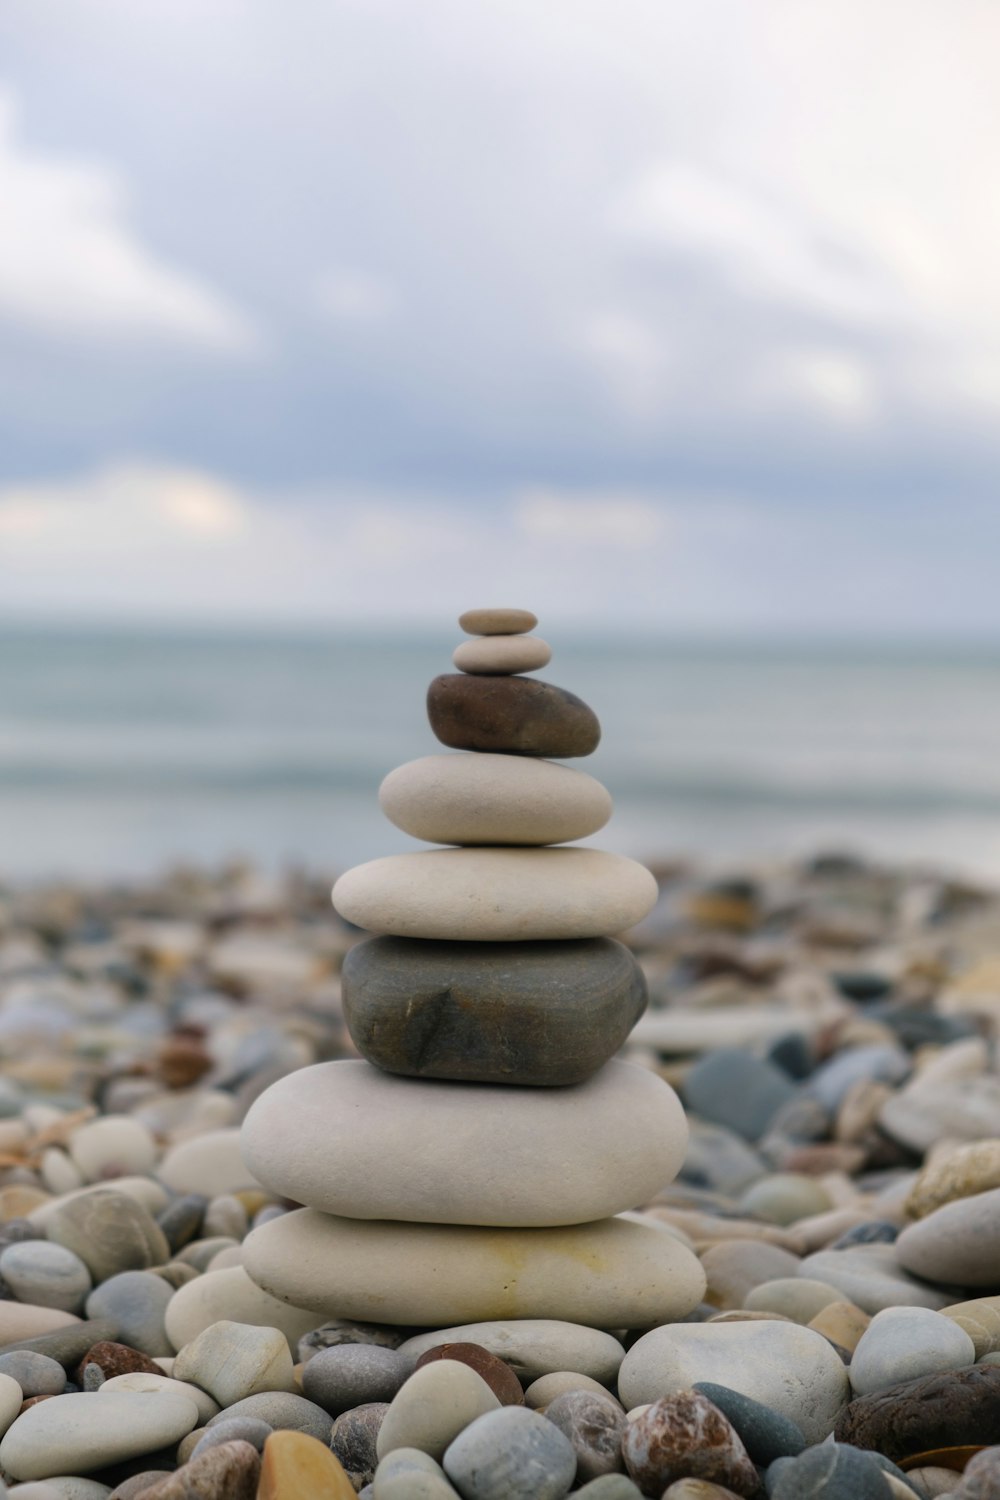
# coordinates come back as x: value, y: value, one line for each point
x: 476, y: 798
x: 497, y: 895
x: 610, y: 1274
x: 351, y: 1140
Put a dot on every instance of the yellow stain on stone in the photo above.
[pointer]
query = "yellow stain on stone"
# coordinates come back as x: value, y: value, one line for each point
x: 299, y: 1467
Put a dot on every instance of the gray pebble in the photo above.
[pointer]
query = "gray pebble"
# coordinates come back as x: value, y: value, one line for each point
x: 510, y: 1454
x: 235, y: 1429
x: 181, y: 1220
x: 225, y: 1215
x: 830, y: 1471
x: 610, y: 1487
x: 594, y: 1425
x: 872, y: 1232
x: 354, y: 1438
x: 36, y: 1374
x: 354, y: 1374
x: 282, y: 1410
x: 764, y: 1432
x: 733, y: 1087
x: 68, y: 1345
x: 411, y: 1474
x: 137, y: 1302
x: 45, y: 1274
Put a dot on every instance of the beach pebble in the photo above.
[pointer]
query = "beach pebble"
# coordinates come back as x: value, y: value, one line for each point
x: 620, y: 1487
x: 280, y: 1409
x: 833, y: 1471
x: 733, y: 1087
x: 36, y: 1374
x: 58, y: 1173
x: 795, y: 1297
x: 110, y: 1359
x: 352, y: 1375
x: 182, y: 1219
x: 79, y: 1433
x: 233, y: 1429
x: 781, y: 1365
x: 225, y: 1216
x: 231, y: 1295
x: 110, y: 1232
x: 611, y: 1274
x: 842, y: 1323
x: 45, y: 1274
x: 296, y: 1466
x: 505, y: 895
x: 981, y: 1477
x: 878, y: 1062
x: 872, y: 1278
x: 974, y: 1168
x: 495, y: 655
x: 957, y: 1244
x: 612, y: 1142
x: 784, y: 1198
x: 137, y: 1302
x: 685, y: 1436
x: 953, y: 1409
x: 547, y: 1387
x: 353, y: 1441
x: 511, y: 715
x: 496, y: 1372
x: 113, y: 1146
x: 11, y: 1396
x: 530, y: 1013
x: 931, y: 1481
x: 229, y: 1472
x: 61, y: 1487
x: 921, y: 1114
x: 734, y: 1267
x: 234, y: 1360
x: 144, y: 1381
x: 980, y: 1318
x: 497, y: 621
x: 764, y: 1432
x: 210, y: 1164
x: 341, y: 1331
x: 533, y: 1347
x: 433, y: 1406
x: 23, y: 1320
x: 510, y: 1452
x: 493, y: 799
x: 594, y: 1424
x: 697, y: 1489
x: 903, y: 1343
x: 410, y: 1474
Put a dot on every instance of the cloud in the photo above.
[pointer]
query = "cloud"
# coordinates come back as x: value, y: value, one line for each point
x: 352, y: 296
x: 73, y: 266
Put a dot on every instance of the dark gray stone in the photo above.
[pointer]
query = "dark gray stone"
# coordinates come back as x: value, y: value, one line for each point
x: 874, y: 1232
x: 282, y: 1410
x: 594, y: 1425
x: 353, y: 1440
x: 545, y: 1014
x: 511, y: 715
x: 181, y: 1220
x: 354, y: 1375
x: 766, y: 1434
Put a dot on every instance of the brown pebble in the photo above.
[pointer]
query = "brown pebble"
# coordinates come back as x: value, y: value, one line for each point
x: 511, y: 715
x: 227, y: 1472
x: 182, y: 1061
x: 685, y: 1436
x: 139, y: 1484
x: 33, y: 1401
x: 497, y: 621
x: 952, y: 1409
x: 496, y: 1372
x: 116, y: 1359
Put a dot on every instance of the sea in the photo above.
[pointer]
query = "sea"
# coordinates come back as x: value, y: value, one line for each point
x: 124, y: 751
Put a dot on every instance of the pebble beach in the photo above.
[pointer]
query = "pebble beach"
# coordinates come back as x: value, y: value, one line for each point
x: 830, y: 1028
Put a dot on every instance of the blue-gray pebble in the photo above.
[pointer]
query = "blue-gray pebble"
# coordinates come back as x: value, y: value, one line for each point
x: 765, y: 1433
x: 609, y: 1487
x: 36, y: 1374
x: 511, y: 1454
x: 829, y: 1471
x: 282, y: 1410
x: 735, y: 1088
x: 871, y: 1232
x: 137, y: 1302
x: 352, y: 1375
x: 234, y: 1430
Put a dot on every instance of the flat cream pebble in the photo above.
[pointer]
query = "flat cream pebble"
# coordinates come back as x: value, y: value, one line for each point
x: 11, y: 1397
x: 547, y: 1387
x: 145, y: 1380
x: 502, y: 655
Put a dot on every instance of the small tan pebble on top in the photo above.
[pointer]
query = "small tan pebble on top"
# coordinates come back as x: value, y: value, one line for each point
x: 502, y: 655
x: 497, y: 621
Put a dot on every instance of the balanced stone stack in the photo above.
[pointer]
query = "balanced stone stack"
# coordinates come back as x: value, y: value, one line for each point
x: 480, y: 1162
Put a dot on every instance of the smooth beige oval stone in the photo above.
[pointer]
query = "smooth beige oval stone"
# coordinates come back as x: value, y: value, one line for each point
x: 532, y: 1346
x: 479, y: 798
x: 351, y: 1140
x: 611, y: 1274
x: 231, y: 1295
x: 433, y: 1406
x: 502, y: 655
x: 80, y: 1432
x: 497, y: 621
x: 210, y: 1164
x: 497, y: 895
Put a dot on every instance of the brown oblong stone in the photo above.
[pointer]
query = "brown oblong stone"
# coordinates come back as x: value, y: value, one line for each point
x: 539, y: 1013
x: 957, y: 1408
x: 490, y: 1367
x: 511, y: 715
x: 497, y: 621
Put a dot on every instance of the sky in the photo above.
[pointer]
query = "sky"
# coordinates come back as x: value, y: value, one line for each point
x: 638, y: 312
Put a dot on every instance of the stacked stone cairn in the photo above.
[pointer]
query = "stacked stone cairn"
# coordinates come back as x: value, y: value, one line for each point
x: 482, y: 1161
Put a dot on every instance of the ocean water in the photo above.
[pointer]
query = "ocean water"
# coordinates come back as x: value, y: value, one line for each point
x: 122, y: 751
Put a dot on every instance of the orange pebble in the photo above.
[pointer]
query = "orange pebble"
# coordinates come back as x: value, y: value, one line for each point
x: 296, y: 1465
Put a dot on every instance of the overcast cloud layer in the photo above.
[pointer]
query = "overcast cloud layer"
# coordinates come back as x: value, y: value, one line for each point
x: 646, y: 310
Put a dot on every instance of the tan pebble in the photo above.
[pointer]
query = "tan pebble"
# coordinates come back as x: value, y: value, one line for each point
x: 842, y: 1323
x: 824, y: 1156
x: 933, y: 1481
x: 497, y: 621
x: 253, y: 1200
x: 547, y: 1387
x: 748, y: 1315
x: 968, y: 1169
x: 714, y: 909
x: 819, y: 1230
x: 980, y: 1317
x: 898, y: 1489
x: 800, y: 1298
x: 735, y: 1267
x: 188, y: 1444
x: 296, y: 1465
x: 706, y: 1228
x: 502, y: 655
x: 859, y: 1110
x: 18, y: 1201
x: 700, y: 1489
x: 230, y: 1469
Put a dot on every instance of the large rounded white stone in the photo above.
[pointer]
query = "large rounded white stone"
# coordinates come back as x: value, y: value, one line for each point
x: 231, y: 1295
x: 351, y: 1140
x: 472, y: 798
x: 78, y: 1433
x: 501, y: 655
x: 497, y: 895
x: 532, y: 1346
x: 794, y: 1370
x: 610, y: 1274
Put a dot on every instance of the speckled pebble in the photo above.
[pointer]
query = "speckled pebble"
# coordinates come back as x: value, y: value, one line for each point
x: 594, y: 1425
x: 350, y: 1375
x: 353, y: 1441
x: 280, y: 1409
x: 765, y: 1433
x: 36, y: 1374
x: 511, y: 1452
